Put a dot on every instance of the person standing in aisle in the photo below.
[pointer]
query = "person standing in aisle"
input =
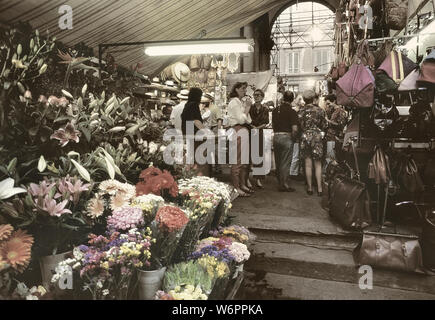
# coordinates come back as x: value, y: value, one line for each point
x: 238, y: 119
x: 260, y: 119
x: 336, y: 117
x: 285, y: 128
x: 192, y: 113
x: 297, y: 104
x: 313, y: 125
x: 175, y: 117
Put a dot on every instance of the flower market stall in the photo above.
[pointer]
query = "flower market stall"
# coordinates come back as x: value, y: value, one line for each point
x: 88, y: 207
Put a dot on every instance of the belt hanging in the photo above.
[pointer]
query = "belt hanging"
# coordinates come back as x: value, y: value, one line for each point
x: 393, y: 63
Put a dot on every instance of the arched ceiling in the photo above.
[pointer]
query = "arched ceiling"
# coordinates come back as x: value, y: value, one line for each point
x: 113, y: 21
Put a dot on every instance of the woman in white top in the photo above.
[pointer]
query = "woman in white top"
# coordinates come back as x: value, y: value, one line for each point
x: 238, y: 119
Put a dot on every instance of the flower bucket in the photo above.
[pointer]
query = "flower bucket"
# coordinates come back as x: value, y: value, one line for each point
x: 48, y: 265
x: 149, y: 283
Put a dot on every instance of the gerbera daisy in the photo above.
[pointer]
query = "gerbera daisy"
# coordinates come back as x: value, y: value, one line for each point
x: 118, y: 201
x: 16, y: 255
x: 5, y: 231
x: 95, y: 207
x: 21, y: 237
x: 110, y: 186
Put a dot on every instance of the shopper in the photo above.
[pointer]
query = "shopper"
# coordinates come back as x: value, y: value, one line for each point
x: 239, y: 119
x: 192, y: 113
x: 260, y: 119
x: 285, y: 127
x: 175, y: 117
x: 297, y: 105
x: 336, y: 116
x: 313, y: 126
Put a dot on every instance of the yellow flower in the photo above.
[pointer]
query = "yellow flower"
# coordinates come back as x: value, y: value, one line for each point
x: 105, y: 265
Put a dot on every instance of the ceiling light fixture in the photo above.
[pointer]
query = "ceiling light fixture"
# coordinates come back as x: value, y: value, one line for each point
x: 201, y: 46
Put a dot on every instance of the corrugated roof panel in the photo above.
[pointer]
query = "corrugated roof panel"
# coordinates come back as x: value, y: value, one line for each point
x: 113, y: 21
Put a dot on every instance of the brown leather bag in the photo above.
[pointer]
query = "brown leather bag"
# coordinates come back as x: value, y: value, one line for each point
x: 342, y: 69
x: 379, y: 167
x: 349, y: 200
x: 408, y: 176
x: 393, y: 251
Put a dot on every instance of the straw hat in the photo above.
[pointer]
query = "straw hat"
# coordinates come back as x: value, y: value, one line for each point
x: 180, y: 72
x: 183, y: 95
x: 206, y: 98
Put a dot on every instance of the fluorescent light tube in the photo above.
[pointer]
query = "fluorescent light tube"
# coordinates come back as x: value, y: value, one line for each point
x: 200, y: 47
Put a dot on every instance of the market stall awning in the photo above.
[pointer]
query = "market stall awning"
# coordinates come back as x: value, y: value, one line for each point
x: 109, y: 21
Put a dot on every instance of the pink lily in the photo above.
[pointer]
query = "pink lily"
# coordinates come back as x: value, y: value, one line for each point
x: 55, y: 209
x: 67, y: 134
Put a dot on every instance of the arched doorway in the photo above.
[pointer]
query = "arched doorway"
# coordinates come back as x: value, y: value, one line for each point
x: 304, y: 44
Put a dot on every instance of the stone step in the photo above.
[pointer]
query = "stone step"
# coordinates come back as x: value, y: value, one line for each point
x: 328, y: 263
x: 289, y: 287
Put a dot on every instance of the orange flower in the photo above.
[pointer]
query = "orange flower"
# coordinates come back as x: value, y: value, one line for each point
x: 20, y: 237
x: 17, y: 255
x: 5, y: 231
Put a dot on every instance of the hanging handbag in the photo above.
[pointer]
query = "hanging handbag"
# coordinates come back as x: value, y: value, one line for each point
x: 349, y: 202
x: 410, y: 82
x: 364, y: 55
x: 427, y: 75
x: 396, y: 13
x: 382, y: 52
x: 379, y: 167
x: 356, y: 88
x: 408, y: 176
x: 428, y: 240
x: 195, y: 62
x: 342, y: 69
x: 397, y: 66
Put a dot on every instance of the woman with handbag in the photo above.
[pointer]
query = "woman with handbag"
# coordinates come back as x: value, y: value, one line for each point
x: 313, y: 125
x: 238, y: 119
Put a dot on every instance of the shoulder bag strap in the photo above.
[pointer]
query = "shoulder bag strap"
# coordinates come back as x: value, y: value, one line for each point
x: 393, y: 66
x: 356, y: 160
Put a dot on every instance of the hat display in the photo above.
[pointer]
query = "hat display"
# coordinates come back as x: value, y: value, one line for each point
x: 309, y: 95
x: 180, y: 72
x: 206, y: 98
x: 183, y: 95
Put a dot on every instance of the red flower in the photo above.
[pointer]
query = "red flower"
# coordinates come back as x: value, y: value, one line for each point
x: 155, y: 181
x: 171, y: 218
x: 147, y: 173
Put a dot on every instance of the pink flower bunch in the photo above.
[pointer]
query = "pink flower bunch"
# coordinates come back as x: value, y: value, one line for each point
x: 72, y: 187
x: 125, y: 218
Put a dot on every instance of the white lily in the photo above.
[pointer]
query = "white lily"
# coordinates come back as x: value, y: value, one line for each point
x: 7, y: 189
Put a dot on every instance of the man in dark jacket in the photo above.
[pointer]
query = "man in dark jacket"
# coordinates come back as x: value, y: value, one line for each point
x: 285, y: 127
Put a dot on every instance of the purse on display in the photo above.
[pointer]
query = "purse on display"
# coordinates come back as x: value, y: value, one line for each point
x: 382, y: 52
x: 397, y: 66
x: 410, y: 82
x: 349, y: 200
x: 428, y: 240
x: 396, y: 13
x: 379, y: 167
x: 394, y: 251
x: 356, y: 88
x: 195, y: 62
x: 408, y: 176
x: 427, y: 73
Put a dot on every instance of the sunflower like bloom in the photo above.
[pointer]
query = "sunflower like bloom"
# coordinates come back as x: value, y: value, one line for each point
x: 95, y: 207
x: 17, y: 255
x: 67, y: 134
x: 5, y: 231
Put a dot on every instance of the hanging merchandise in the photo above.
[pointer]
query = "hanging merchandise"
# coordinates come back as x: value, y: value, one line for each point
x: 206, y: 62
x: 195, y: 62
x: 356, y: 88
x: 408, y: 176
x: 427, y: 74
x: 385, y: 114
x: 410, y: 82
x: 382, y: 52
x: 396, y: 13
x: 364, y: 55
x: 233, y: 62
x: 397, y: 66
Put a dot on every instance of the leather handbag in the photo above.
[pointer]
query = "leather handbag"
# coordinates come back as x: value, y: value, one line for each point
x: 427, y: 74
x: 342, y: 69
x: 382, y: 52
x: 379, y: 167
x: 349, y: 202
x: 428, y: 240
x: 397, y: 66
x: 408, y: 176
x: 396, y: 13
x: 195, y: 62
x: 410, y: 82
x: 400, y: 252
x: 356, y: 88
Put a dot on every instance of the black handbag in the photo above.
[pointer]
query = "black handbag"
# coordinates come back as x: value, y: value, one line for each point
x: 349, y: 202
x: 408, y: 176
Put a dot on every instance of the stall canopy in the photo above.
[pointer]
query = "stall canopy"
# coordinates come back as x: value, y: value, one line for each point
x: 109, y: 21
